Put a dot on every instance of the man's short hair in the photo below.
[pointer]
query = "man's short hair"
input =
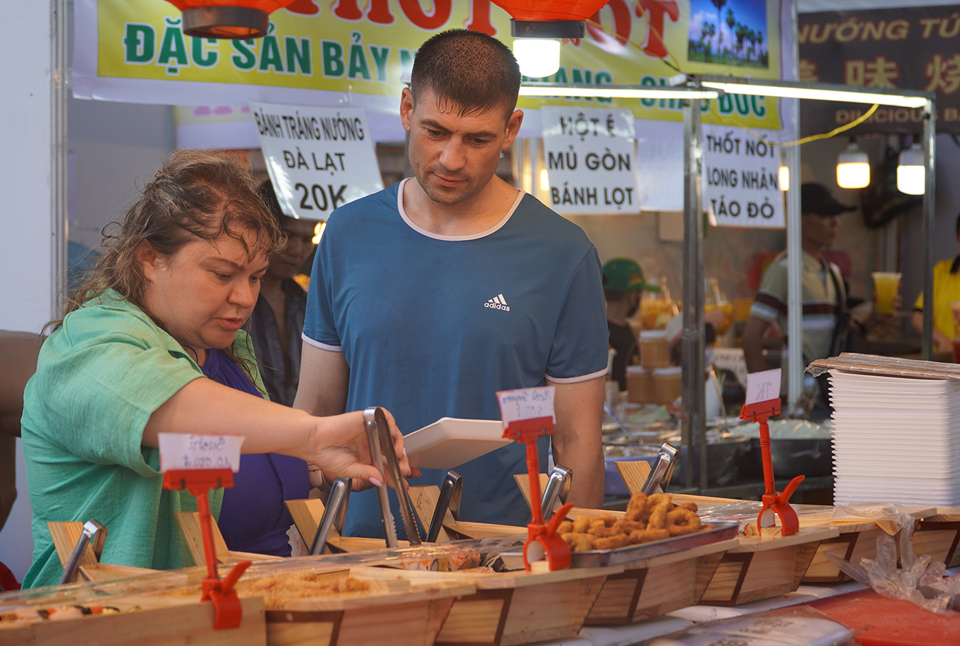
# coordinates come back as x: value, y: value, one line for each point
x: 474, y: 71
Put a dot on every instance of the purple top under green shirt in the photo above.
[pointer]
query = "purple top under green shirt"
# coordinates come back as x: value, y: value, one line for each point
x: 253, y: 517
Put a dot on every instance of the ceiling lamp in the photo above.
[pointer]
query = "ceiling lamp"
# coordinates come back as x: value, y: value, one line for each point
x: 538, y: 27
x: 911, y: 177
x: 241, y: 19
x: 853, y: 167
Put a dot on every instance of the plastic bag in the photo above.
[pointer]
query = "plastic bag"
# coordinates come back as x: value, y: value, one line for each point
x: 914, y: 579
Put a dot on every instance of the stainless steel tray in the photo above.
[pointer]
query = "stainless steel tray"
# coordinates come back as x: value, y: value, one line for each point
x: 644, y: 551
x: 598, y: 558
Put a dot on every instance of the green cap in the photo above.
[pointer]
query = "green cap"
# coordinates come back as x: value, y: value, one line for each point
x: 624, y: 275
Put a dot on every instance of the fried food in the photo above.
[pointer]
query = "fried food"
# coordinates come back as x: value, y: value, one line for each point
x: 658, y: 516
x: 636, y: 507
x: 647, y: 519
x: 578, y: 542
x: 581, y: 525
x: 682, y: 521
x: 611, y: 542
x: 648, y: 535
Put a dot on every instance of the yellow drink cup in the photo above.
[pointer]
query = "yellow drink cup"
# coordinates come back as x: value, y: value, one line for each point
x: 886, y: 284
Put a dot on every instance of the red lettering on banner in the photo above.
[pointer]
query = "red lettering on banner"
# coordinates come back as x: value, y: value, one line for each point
x: 348, y: 10
x: 442, y: 10
x: 654, y: 11
x: 480, y: 18
x: 622, y: 26
x: 304, y: 7
x: 378, y: 12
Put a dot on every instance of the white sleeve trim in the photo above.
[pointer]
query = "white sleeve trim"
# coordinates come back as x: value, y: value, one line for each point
x: 576, y: 380
x: 322, y: 346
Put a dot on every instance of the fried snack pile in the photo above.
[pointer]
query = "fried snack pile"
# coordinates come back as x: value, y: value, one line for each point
x: 648, y: 519
x: 277, y: 589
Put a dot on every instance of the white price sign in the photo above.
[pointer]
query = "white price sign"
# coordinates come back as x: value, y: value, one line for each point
x: 526, y: 403
x: 318, y: 158
x: 763, y: 386
x: 191, y: 452
x: 732, y: 359
x: 741, y: 178
x: 591, y: 159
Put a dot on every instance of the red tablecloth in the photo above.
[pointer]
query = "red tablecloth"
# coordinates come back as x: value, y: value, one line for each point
x: 889, y: 622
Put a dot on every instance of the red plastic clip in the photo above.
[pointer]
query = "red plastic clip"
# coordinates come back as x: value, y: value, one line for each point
x: 542, y: 539
x: 774, y: 502
x: 226, y: 605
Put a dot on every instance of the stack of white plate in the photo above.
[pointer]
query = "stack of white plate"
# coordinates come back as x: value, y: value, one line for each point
x: 895, y: 439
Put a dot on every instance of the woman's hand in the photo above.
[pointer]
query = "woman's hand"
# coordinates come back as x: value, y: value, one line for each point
x: 339, y: 448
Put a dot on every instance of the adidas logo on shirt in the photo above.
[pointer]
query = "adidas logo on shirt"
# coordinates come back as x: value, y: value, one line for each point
x: 498, y: 303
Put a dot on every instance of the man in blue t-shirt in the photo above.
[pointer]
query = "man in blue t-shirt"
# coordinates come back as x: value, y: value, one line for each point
x: 432, y: 295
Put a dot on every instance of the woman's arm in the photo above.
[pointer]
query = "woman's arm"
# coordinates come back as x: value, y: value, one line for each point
x: 337, y: 444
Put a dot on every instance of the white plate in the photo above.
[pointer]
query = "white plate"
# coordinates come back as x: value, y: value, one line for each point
x: 450, y: 442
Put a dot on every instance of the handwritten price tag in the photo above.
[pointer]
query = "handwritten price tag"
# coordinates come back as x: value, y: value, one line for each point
x: 179, y: 451
x: 526, y: 403
x: 763, y: 386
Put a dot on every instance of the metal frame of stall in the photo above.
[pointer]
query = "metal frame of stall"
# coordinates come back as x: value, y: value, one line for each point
x: 693, y: 423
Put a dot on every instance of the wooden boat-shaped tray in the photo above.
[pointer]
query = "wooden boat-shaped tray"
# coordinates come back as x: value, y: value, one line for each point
x: 600, y: 558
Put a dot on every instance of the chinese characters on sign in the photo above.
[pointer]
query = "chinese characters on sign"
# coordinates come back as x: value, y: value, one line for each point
x: 882, y: 48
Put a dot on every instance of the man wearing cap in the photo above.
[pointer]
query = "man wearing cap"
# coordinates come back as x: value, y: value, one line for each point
x: 623, y: 287
x: 826, y: 318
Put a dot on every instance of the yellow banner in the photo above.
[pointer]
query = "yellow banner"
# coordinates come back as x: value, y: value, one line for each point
x: 346, y: 46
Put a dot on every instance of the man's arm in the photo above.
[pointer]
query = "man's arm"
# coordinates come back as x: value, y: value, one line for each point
x: 753, y: 344
x: 577, y: 439
x: 324, y: 376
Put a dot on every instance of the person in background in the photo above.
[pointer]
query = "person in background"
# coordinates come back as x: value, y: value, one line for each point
x: 152, y: 343
x: 946, y: 290
x: 826, y: 318
x: 431, y: 296
x: 623, y: 286
x: 277, y: 320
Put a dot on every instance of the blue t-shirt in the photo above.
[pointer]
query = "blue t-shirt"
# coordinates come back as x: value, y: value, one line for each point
x: 433, y: 326
x: 253, y: 517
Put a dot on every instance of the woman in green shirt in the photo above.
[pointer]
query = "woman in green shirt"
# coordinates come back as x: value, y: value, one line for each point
x: 177, y: 281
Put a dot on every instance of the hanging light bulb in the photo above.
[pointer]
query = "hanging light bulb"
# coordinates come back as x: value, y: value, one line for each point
x: 910, y: 173
x: 853, y: 167
x: 537, y: 57
x: 784, y: 178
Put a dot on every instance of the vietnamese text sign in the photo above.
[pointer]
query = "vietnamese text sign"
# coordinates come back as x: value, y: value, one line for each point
x: 590, y: 156
x: 318, y: 158
x: 763, y: 386
x: 526, y: 403
x: 741, y: 184
x: 191, y: 452
x: 347, y: 52
x: 915, y: 49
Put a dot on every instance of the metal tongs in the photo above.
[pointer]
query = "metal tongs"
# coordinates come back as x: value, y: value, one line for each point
x: 93, y: 534
x: 451, y: 493
x: 557, y: 486
x: 662, y: 470
x: 334, y: 513
x: 381, y: 446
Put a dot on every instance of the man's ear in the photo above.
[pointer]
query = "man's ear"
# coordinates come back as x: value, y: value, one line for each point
x: 406, y: 108
x: 513, y: 127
